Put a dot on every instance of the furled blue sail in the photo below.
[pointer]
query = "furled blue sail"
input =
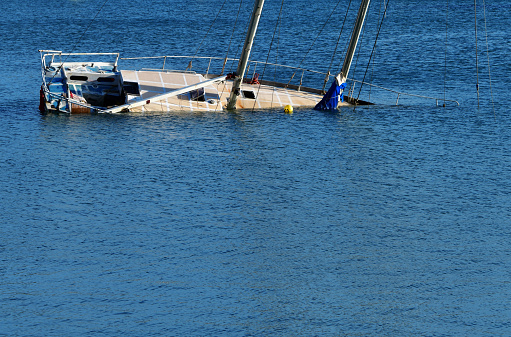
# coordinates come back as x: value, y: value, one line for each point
x: 333, y: 96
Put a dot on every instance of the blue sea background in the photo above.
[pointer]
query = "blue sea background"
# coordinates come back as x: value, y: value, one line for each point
x: 387, y: 220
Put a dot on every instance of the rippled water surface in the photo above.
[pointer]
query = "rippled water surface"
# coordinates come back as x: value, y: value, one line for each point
x: 381, y: 221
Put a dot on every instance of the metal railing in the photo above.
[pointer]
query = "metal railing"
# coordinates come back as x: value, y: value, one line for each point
x: 295, y: 70
x: 399, y: 93
x: 304, y: 72
x: 73, y: 101
x: 251, y: 64
x: 53, y: 53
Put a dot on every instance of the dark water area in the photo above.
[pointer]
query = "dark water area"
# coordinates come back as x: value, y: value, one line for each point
x: 377, y: 221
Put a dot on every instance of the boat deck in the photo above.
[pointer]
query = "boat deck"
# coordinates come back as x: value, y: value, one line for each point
x: 212, y: 97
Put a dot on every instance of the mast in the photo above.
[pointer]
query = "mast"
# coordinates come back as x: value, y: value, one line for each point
x: 242, y: 65
x: 362, y: 11
x: 335, y: 94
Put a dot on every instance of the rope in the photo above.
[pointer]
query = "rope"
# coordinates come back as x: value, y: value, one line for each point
x: 374, y: 46
x: 477, y: 62
x: 488, y: 56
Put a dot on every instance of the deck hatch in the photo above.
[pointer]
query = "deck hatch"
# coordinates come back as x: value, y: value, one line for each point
x: 131, y: 88
x: 197, y: 95
x: 248, y: 94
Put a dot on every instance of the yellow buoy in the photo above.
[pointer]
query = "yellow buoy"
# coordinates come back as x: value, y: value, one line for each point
x: 288, y: 109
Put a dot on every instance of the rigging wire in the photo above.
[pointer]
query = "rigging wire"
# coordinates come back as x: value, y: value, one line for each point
x: 207, y: 32
x: 319, y: 34
x: 320, y: 31
x: 445, y: 49
x: 233, y: 30
x: 86, y: 29
x: 372, y: 63
x: 269, y: 51
x: 477, y: 62
x: 488, y: 57
x: 240, y: 45
x: 352, y: 86
x: 79, y: 39
x: 341, y: 60
x: 228, y: 49
x: 374, y: 47
x: 279, y: 20
x: 339, y: 37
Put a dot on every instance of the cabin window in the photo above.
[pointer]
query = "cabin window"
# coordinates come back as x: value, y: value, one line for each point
x: 248, y: 94
x: 106, y: 79
x: 131, y: 88
x: 78, y: 78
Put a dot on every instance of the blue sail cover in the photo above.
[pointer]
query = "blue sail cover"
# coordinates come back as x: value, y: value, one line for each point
x: 332, y: 97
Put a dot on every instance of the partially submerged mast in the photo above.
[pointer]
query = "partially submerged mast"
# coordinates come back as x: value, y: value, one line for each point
x: 334, y: 94
x: 242, y: 65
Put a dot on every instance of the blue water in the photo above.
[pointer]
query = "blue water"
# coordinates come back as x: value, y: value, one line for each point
x: 381, y: 221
